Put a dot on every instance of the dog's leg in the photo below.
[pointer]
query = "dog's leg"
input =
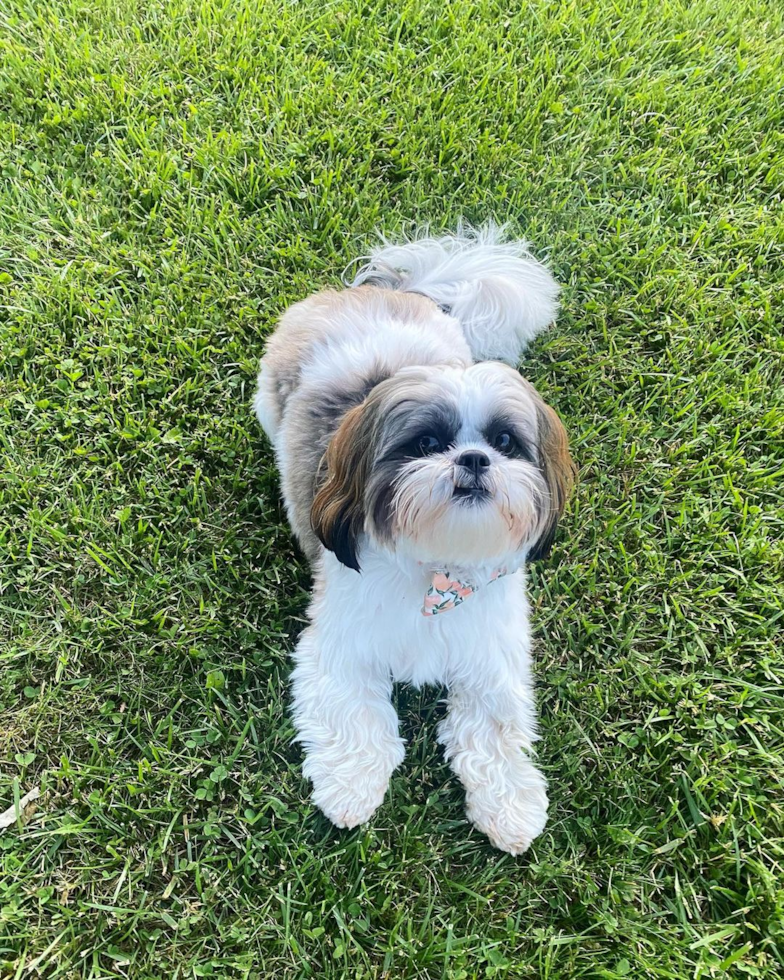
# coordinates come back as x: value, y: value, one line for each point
x: 349, y: 728
x: 487, y: 735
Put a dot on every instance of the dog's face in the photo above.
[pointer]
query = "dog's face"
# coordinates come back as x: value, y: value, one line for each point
x: 465, y: 466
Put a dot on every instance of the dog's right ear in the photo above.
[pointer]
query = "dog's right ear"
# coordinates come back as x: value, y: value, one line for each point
x: 338, y: 511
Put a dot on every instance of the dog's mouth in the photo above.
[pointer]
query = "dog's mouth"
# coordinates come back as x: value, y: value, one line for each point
x: 471, y: 494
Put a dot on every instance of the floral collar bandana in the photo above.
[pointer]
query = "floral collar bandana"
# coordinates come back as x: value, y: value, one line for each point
x: 449, y: 588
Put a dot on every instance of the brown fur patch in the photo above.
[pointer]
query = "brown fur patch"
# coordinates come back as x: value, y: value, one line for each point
x: 338, y: 512
x: 559, y: 473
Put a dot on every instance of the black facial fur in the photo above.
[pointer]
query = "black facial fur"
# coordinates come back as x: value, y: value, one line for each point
x: 430, y: 430
x: 520, y: 445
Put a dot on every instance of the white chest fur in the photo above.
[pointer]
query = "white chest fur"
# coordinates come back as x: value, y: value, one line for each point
x: 366, y: 630
x: 375, y: 617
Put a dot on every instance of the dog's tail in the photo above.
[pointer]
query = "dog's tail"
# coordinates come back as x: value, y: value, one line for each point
x: 497, y: 290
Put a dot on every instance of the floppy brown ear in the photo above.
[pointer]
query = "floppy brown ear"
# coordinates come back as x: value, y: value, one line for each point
x: 338, y: 511
x: 559, y: 473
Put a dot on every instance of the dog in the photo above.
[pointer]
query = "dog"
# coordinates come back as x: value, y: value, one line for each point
x: 420, y: 474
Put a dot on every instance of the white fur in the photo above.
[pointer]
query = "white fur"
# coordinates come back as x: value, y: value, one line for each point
x: 368, y: 629
x: 500, y: 294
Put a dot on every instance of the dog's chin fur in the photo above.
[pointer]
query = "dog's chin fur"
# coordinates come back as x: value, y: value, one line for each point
x: 433, y: 525
x: 401, y: 459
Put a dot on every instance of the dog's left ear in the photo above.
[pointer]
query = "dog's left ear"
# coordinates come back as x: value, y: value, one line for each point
x: 559, y: 473
x: 338, y: 511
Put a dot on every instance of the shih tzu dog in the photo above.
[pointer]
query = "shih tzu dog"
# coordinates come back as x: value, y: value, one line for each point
x: 420, y: 474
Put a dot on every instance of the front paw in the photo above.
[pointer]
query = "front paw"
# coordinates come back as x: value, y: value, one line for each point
x: 512, y: 820
x: 349, y: 803
x: 348, y: 788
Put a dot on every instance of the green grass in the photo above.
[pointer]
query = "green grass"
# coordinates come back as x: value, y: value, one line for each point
x: 174, y: 174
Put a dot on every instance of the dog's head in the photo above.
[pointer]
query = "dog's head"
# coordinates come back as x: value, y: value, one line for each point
x: 463, y: 465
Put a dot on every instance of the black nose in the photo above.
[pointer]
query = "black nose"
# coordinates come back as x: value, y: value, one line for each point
x: 474, y: 460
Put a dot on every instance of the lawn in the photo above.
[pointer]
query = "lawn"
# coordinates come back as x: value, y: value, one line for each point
x: 173, y: 175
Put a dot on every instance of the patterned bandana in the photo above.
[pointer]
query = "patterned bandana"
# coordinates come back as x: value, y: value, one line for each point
x: 447, y: 590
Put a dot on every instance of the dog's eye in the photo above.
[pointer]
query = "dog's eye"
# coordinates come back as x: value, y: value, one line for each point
x: 428, y: 445
x: 504, y: 442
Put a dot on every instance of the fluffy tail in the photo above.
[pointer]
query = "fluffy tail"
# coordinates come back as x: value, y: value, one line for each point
x: 500, y: 294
